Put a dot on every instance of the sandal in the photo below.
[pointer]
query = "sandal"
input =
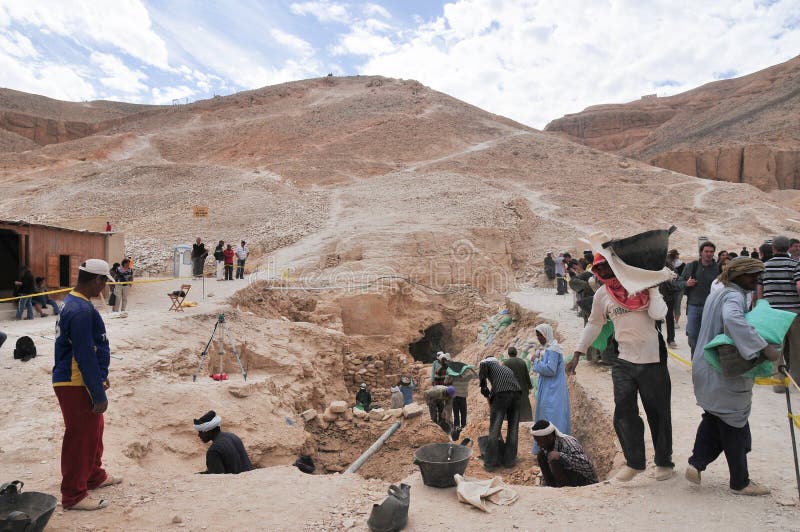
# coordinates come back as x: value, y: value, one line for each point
x: 88, y: 504
x: 110, y: 481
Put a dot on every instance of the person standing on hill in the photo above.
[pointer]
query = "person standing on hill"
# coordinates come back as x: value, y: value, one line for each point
x: 241, y: 256
x: 124, y: 276
x: 696, y: 281
x: 549, y: 268
x: 80, y: 381
x: 228, y: 255
x: 523, y: 376
x: 219, y: 257
x: 199, y: 254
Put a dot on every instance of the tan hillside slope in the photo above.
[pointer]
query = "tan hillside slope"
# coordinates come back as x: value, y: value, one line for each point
x: 743, y: 130
x: 365, y: 174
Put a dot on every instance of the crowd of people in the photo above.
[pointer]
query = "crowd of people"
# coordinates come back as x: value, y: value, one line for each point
x: 225, y: 256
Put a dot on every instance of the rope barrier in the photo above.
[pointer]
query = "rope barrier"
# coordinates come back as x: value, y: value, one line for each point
x: 110, y: 283
x: 761, y: 381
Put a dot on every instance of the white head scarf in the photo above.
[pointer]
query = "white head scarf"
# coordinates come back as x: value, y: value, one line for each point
x: 549, y: 336
x: 549, y: 429
x: 209, y: 425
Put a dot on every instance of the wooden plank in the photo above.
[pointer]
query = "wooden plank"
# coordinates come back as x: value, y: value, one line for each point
x: 53, y: 278
x: 74, y: 263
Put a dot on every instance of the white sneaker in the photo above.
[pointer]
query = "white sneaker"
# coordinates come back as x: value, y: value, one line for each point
x: 692, y: 474
x: 627, y: 473
x: 753, y: 489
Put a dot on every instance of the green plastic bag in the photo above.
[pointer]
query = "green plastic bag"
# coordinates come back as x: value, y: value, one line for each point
x: 601, y: 342
x: 771, y: 324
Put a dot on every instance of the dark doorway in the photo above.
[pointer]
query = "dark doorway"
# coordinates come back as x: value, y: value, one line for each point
x: 9, y: 259
x: 435, y: 338
x: 63, y: 270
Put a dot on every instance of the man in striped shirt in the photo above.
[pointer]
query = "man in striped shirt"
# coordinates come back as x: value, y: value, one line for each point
x: 780, y: 286
x: 504, y: 397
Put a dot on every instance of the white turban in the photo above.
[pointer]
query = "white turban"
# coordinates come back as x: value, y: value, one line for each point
x: 489, y: 359
x: 550, y: 341
x: 208, y: 425
x: 549, y: 429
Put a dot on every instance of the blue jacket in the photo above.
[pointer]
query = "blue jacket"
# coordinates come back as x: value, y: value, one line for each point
x: 82, y: 354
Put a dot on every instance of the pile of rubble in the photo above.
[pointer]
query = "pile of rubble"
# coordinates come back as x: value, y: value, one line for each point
x: 342, y: 416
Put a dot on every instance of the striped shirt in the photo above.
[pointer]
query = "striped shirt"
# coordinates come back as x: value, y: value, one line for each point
x: 779, y: 282
x: 574, y: 457
x: 502, y: 378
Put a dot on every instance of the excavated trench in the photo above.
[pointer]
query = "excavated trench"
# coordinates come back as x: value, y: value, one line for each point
x: 307, y: 349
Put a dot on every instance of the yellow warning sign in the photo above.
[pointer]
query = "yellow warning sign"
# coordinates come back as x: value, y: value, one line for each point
x: 200, y: 211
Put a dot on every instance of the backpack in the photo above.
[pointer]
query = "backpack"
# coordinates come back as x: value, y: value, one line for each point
x: 25, y: 349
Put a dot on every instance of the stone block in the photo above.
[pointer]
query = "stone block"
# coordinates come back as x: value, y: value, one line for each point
x: 412, y: 410
x: 337, y: 407
x: 309, y: 414
x: 395, y: 412
x: 359, y: 414
x: 321, y: 421
x: 376, y: 414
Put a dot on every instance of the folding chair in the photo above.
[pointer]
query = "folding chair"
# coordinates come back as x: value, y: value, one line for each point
x: 178, y: 296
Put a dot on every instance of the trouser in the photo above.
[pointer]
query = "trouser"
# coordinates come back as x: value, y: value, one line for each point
x: 82, y: 448
x: 25, y: 303
x: 3, y: 338
x: 220, y: 268
x: 714, y: 436
x: 694, y: 316
x: 677, y: 301
x: 504, y: 405
x: 791, y: 349
x: 460, y: 411
x: 121, y: 302
x: 561, y: 285
x: 229, y: 272
x: 652, y: 383
x: 670, y: 320
x: 240, y: 268
x: 440, y: 414
x: 556, y: 475
x: 197, y: 267
x: 54, y: 305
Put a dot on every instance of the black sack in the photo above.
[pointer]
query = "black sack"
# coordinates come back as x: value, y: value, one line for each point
x: 112, y: 299
x: 392, y: 513
x: 25, y: 349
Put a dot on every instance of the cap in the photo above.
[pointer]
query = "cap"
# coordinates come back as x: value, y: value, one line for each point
x: 451, y: 391
x: 363, y: 385
x: 97, y: 267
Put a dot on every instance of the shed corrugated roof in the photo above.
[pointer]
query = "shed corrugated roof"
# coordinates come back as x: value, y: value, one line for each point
x: 22, y: 223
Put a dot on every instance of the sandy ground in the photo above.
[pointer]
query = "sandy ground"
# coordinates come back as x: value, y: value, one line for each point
x: 161, y: 497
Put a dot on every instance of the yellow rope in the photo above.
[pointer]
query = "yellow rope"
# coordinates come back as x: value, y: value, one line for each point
x: 62, y: 290
x: 761, y: 381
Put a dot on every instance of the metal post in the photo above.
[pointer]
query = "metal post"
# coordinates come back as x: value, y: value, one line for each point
x: 372, y: 449
x: 221, y: 346
x: 785, y: 372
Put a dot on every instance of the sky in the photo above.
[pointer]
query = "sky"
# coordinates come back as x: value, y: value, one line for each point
x: 529, y: 60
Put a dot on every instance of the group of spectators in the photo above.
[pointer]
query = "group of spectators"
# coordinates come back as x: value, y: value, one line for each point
x: 224, y: 256
x: 28, y: 285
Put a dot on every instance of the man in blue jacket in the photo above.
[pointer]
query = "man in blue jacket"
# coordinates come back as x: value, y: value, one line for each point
x: 80, y: 380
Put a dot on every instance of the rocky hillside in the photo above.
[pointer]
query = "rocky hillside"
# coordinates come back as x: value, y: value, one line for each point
x: 742, y: 130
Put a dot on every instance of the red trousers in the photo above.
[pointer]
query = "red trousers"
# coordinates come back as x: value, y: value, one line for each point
x: 82, y: 449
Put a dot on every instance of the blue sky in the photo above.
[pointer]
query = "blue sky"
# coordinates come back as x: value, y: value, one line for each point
x: 530, y: 60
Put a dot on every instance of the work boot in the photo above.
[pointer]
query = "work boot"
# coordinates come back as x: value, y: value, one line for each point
x: 753, y: 489
x: 627, y: 473
x: 663, y: 473
x: 672, y: 345
x: 692, y: 474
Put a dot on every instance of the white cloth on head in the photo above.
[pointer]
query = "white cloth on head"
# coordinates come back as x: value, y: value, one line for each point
x: 489, y: 359
x: 550, y: 341
x: 549, y: 429
x: 209, y: 425
x: 632, y: 278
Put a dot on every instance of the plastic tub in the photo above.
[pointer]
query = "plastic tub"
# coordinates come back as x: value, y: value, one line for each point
x: 437, y: 471
x: 647, y: 250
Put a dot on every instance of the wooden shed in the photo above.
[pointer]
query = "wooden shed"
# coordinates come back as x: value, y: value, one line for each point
x: 54, y: 253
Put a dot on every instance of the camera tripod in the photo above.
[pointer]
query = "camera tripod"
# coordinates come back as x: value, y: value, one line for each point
x: 219, y: 332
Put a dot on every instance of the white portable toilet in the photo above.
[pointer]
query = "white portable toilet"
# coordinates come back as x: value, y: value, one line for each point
x: 182, y: 261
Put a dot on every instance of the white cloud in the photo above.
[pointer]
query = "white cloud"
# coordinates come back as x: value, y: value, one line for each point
x: 292, y: 42
x: 362, y: 40
x: 17, y: 45
x: 117, y: 75
x: 124, y: 24
x: 375, y: 9
x: 54, y: 80
x: 323, y: 10
x: 538, y: 60
x: 166, y: 95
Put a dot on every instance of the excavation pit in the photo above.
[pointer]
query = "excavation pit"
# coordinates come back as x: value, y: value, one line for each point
x: 435, y: 338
